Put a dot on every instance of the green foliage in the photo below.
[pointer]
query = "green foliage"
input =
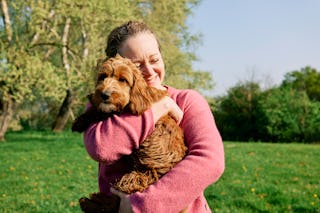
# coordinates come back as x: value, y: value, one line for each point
x: 36, y: 72
x: 312, y: 126
x: 213, y: 103
x: 48, y: 172
x: 28, y: 78
x: 263, y: 177
x: 37, y: 67
x: 238, y: 114
x: 290, y: 115
x: 23, y: 73
x: 307, y: 79
x: 281, y: 114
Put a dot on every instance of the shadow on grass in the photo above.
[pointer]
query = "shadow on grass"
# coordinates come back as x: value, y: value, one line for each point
x: 43, y: 136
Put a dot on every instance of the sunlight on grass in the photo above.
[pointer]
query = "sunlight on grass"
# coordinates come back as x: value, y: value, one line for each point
x: 47, y: 172
x: 44, y: 172
x: 263, y: 177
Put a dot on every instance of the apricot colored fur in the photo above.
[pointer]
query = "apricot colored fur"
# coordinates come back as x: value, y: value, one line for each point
x: 120, y: 87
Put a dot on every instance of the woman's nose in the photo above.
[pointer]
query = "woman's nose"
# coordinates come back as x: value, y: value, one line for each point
x: 147, y: 69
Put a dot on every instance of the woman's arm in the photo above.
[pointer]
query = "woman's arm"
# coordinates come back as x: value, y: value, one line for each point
x: 203, y: 165
x: 107, y: 141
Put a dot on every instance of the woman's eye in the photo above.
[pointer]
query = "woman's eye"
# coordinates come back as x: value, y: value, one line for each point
x: 138, y: 65
x: 154, y: 60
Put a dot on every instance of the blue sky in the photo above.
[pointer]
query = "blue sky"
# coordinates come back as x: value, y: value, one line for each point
x: 257, y: 40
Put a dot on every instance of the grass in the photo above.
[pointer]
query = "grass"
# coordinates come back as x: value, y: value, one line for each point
x: 44, y: 172
x: 47, y: 172
x: 264, y: 177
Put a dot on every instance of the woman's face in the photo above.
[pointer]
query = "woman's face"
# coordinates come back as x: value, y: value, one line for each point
x: 143, y: 50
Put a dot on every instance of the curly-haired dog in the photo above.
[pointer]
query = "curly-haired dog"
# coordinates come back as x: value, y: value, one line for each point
x: 120, y: 87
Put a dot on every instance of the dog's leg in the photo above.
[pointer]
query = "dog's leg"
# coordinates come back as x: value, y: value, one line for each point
x: 136, y: 181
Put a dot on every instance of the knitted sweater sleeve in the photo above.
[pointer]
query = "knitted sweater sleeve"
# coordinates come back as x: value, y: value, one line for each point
x: 107, y: 141
x: 202, y: 166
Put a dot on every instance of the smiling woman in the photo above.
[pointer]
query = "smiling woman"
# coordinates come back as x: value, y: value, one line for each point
x: 205, y: 157
x: 147, y: 57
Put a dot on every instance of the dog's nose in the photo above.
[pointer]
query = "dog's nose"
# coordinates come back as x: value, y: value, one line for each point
x: 105, y: 96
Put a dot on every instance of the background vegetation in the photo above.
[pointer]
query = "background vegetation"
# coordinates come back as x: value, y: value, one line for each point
x: 49, y: 172
x: 48, y: 50
x: 285, y: 113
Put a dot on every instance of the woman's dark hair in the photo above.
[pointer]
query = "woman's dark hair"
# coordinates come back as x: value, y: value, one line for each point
x: 120, y: 34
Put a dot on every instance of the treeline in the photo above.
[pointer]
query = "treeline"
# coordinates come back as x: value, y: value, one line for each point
x: 48, y: 50
x: 289, y: 112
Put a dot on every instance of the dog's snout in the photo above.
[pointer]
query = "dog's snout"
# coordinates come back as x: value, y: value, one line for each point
x: 105, y: 96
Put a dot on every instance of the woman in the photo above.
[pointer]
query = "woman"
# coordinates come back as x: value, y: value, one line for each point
x: 109, y: 140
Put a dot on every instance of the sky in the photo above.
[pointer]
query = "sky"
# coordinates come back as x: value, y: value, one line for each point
x: 258, y: 40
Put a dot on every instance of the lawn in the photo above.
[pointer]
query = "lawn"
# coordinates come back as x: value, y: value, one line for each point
x: 44, y: 172
x: 47, y: 172
x: 264, y: 177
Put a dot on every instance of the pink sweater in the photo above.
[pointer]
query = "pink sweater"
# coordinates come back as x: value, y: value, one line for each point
x: 109, y: 140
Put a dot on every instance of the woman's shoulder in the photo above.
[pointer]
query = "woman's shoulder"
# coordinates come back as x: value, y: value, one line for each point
x: 182, y: 92
x: 186, y: 95
x: 191, y: 102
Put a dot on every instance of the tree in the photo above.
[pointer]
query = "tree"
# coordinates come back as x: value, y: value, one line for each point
x: 7, y: 102
x: 290, y: 115
x: 22, y: 70
x: 306, y: 79
x: 238, y: 113
x: 48, y: 50
x: 81, y: 33
x: 80, y: 15
x: 56, y: 36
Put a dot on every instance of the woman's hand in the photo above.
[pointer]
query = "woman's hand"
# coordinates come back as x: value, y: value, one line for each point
x: 125, y: 204
x: 166, y: 106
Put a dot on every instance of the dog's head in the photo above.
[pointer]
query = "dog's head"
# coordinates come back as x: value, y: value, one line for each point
x: 119, y: 86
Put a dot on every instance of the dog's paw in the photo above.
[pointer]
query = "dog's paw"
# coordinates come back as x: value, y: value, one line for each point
x: 100, y: 203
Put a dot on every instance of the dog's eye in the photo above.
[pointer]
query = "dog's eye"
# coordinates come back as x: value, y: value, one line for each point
x: 102, y: 76
x: 123, y: 80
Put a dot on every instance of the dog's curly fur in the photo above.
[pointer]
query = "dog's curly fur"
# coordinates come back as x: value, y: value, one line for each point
x: 120, y: 87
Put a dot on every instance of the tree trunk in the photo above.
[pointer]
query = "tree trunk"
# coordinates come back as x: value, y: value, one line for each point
x: 64, y: 112
x: 7, y: 22
x: 65, y: 108
x: 6, y: 105
x: 6, y: 112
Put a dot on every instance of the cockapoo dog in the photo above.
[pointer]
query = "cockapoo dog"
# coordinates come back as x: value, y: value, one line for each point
x: 120, y: 87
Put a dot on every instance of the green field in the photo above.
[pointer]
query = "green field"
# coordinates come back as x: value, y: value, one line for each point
x: 263, y: 177
x: 47, y: 172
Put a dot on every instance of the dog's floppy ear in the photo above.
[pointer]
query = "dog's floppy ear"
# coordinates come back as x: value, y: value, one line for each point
x: 140, y: 97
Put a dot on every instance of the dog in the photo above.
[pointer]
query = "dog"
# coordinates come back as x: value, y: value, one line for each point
x: 120, y: 88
